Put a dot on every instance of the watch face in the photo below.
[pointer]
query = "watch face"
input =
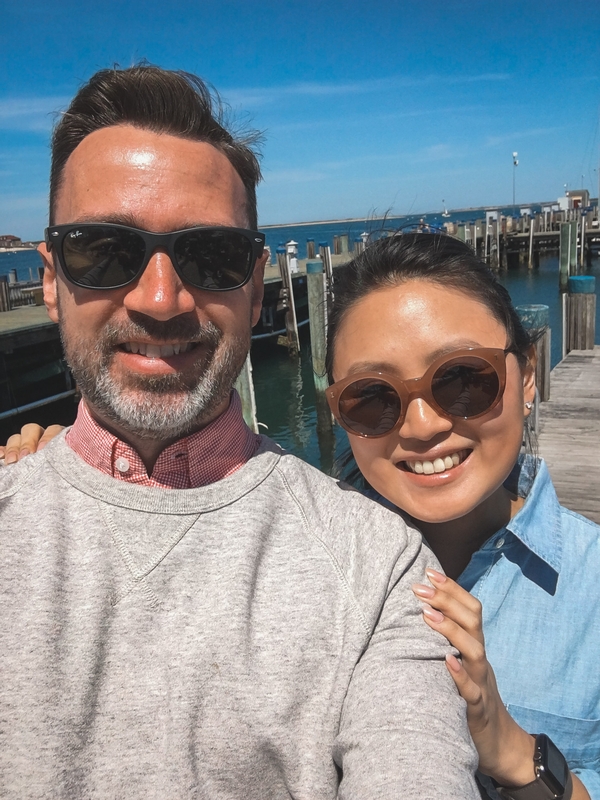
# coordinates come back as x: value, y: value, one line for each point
x: 552, y: 769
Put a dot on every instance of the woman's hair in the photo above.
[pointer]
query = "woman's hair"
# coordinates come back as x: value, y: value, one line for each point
x: 434, y: 257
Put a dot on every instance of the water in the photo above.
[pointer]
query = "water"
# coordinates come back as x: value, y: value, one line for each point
x: 26, y: 262
x: 284, y: 387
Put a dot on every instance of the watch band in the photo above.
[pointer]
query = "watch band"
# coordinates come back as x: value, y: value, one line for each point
x: 536, y: 790
x: 553, y: 780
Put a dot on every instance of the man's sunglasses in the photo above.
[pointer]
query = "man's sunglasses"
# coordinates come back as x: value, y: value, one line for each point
x: 464, y: 384
x: 102, y: 256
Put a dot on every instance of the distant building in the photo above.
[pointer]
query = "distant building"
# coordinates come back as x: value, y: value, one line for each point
x: 574, y: 198
x: 10, y: 241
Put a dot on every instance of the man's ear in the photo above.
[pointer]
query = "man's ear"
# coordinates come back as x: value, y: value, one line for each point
x: 529, y: 377
x: 49, y: 282
x: 258, y: 286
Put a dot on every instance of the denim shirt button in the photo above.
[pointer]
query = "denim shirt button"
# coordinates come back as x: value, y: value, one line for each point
x: 500, y: 543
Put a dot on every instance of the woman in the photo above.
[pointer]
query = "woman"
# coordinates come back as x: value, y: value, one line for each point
x: 433, y: 377
x: 444, y: 449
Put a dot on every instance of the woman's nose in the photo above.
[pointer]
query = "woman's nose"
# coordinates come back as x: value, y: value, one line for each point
x: 422, y: 421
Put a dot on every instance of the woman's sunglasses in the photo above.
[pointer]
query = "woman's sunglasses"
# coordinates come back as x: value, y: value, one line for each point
x: 464, y: 384
x: 102, y: 256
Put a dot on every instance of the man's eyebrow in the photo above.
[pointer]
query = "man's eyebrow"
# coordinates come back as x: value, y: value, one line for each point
x: 108, y: 219
x: 132, y: 222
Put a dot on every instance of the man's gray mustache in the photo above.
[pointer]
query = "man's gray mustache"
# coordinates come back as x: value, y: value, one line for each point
x: 178, y: 329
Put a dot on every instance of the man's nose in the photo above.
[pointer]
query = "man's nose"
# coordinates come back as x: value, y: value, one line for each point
x: 159, y: 292
x: 422, y: 421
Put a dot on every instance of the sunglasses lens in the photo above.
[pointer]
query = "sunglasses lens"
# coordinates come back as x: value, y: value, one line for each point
x: 216, y: 260
x: 100, y: 256
x: 369, y: 406
x: 465, y: 388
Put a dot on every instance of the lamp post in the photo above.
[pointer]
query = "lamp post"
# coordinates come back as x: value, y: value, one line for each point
x: 515, y: 165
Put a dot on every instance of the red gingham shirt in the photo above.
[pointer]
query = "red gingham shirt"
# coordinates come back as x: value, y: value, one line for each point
x: 199, y: 459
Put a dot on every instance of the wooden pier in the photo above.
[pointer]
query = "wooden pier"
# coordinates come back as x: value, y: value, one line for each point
x: 569, y: 438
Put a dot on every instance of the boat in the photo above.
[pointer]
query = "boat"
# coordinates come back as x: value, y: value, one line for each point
x: 445, y: 212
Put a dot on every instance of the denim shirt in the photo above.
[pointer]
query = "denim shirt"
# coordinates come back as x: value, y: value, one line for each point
x: 538, y: 580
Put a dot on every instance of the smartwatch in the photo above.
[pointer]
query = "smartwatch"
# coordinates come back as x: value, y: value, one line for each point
x: 553, y: 780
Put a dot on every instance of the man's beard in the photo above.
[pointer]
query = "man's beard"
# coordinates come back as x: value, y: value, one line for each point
x: 163, y: 406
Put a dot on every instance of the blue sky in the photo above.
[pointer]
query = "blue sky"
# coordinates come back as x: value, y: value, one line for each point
x: 366, y: 107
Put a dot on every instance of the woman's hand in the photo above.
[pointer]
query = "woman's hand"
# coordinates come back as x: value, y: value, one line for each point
x: 31, y: 439
x: 505, y: 749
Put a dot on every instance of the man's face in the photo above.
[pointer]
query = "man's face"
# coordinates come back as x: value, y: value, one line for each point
x: 158, y: 183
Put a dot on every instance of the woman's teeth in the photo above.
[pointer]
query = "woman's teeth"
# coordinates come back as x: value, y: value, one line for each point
x: 155, y: 350
x: 437, y: 465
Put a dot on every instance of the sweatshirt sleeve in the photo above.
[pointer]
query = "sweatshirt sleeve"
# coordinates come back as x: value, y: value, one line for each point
x: 403, y: 731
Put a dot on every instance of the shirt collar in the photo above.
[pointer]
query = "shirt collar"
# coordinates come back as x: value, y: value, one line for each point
x: 538, y: 524
x: 203, y: 457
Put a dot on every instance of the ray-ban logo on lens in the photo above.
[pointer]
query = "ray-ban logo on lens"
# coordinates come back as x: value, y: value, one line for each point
x: 75, y: 234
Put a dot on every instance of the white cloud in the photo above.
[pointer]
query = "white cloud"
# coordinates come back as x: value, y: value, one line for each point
x: 260, y: 96
x: 30, y: 113
x: 493, y: 141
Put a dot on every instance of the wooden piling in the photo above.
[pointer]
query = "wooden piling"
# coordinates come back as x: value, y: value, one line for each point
x: 582, y: 245
x: 565, y: 255
x: 291, y: 339
x: 310, y: 248
x: 245, y: 388
x: 536, y: 319
x: 494, y: 254
x: 531, y: 232
x: 580, y: 312
x: 573, y: 248
x: 325, y: 253
x: 317, y: 314
x: 4, y: 293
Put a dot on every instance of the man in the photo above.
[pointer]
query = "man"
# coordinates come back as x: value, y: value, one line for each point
x: 186, y: 610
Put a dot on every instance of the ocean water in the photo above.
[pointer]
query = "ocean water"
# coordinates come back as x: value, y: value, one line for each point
x: 284, y: 387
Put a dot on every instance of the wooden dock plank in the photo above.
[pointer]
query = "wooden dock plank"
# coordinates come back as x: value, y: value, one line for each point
x: 569, y: 438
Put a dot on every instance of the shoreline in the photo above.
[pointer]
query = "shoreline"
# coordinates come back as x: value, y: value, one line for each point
x: 379, y: 217
x: 17, y: 249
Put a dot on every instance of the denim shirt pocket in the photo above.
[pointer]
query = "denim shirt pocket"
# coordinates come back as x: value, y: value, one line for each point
x: 577, y: 739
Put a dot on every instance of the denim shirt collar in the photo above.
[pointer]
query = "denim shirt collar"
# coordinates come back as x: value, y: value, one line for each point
x: 530, y: 479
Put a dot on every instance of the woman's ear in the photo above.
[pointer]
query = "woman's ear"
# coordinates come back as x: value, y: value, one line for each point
x: 528, y: 372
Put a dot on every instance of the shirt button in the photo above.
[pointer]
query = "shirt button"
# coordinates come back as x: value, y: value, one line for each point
x: 500, y: 543
x: 122, y: 464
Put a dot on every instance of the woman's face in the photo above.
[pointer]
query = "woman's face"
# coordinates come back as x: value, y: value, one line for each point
x: 402, y: 330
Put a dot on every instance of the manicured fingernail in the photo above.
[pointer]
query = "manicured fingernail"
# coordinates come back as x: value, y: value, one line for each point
x: 11, y: 458
x: 423, y: 591
x: 432, y: 614
x: 435, y: 576
x: 24, y: 452
x: 453, y: 662
x: 41, y: 446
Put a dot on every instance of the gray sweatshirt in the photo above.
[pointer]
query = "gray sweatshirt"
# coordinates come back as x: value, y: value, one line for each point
x: 255, y: 638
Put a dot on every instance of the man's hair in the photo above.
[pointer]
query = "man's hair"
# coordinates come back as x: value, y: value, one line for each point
x: 157, y: 100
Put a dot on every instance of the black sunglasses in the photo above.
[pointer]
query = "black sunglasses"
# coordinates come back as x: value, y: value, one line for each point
x: 103, y: 256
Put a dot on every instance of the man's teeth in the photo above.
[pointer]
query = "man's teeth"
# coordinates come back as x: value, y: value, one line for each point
x: 155, y: 350
x: 437, y: 465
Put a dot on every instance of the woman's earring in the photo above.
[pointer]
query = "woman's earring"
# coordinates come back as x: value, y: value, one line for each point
x: 528, y: 406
